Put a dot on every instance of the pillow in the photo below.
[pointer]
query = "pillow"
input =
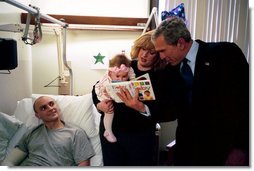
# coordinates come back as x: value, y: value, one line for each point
x: 75, y: 109
x: 97, y: 118
x: 96, y: 160
x: 9, y: 125
x: 80, y: 112
x: 25, y: 113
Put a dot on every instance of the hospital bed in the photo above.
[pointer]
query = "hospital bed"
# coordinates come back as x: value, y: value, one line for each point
x: 78, y: 110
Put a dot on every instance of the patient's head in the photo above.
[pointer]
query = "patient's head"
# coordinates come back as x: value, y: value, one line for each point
x: 46, y: 109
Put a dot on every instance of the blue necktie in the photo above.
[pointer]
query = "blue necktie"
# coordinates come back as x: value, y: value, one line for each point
x: 187, y: 73
x: 188, y: 79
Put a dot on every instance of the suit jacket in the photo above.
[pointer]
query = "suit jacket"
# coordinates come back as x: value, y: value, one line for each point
x: 218, y: 119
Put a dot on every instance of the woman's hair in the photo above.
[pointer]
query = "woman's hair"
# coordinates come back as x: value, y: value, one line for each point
x: 172, y: 29
x: 119, y: 59
x: 142, y: 42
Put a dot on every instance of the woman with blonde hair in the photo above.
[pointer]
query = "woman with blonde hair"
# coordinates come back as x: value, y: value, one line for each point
x: 134, y: 122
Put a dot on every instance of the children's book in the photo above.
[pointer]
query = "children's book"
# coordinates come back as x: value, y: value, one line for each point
x: 142, y: 82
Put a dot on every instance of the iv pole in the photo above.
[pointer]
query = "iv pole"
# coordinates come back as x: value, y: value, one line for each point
x: 153, y: 14
x: 53, y: 20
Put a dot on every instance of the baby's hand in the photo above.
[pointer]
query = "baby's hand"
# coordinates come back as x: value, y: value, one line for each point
x: 106, y: 106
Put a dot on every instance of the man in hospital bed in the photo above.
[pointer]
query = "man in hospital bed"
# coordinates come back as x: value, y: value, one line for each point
x: 52, y: 143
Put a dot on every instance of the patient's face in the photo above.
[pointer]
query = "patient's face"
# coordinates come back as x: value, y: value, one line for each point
x: 47, y: 109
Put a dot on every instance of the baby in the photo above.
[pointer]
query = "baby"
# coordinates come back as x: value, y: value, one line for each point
x: 119, y: 70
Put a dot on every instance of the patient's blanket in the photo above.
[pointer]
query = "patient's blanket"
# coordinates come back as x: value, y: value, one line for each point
x: 11, y: 131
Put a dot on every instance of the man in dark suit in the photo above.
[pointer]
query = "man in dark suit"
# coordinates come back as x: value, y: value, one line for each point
x: 213, y: 110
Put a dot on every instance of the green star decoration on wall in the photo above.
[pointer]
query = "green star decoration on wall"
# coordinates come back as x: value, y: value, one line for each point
x: 99, y: 58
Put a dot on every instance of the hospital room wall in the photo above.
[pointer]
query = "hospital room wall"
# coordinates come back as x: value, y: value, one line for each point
x: 81, y: 48
x: 18, y: 84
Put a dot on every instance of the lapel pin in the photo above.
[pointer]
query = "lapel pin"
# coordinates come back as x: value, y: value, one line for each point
x: 207, y: 63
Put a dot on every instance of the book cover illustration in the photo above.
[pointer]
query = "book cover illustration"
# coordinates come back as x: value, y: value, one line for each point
x: 143, y: 83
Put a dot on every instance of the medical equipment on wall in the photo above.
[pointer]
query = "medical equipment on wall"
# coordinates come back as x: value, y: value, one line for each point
x: 37, y: 33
